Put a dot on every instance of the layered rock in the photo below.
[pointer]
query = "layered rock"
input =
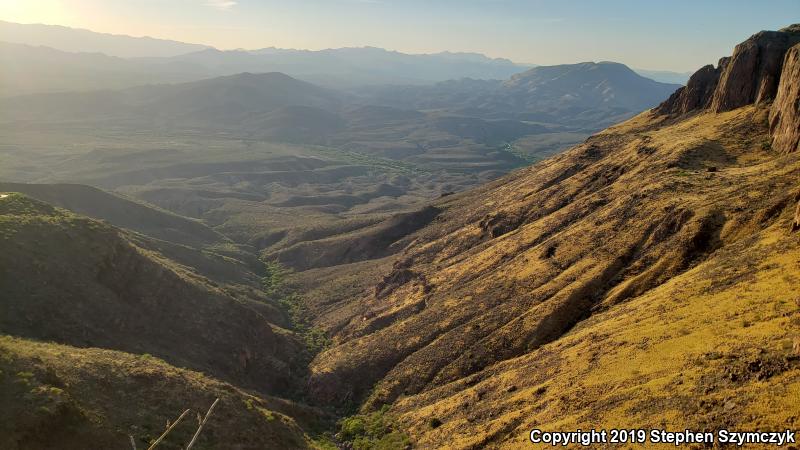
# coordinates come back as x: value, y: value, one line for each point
x: 784, y: 116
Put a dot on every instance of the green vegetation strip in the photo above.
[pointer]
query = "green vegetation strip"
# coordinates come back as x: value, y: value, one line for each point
x: 274, y: 286
x: 373, y: 431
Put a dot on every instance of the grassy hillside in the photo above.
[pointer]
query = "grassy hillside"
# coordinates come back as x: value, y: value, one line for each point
x: 645, y: 278
x: 188, y: 242
x: 122, y: 212
x: 642, y: 278
x: 78, y: 281
x: 709, y: 349
x: 55, y: 396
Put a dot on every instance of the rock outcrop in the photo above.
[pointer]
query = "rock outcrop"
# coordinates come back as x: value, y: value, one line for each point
x: 697, y: 93
x: 784, y: 117
x: 754, y: 70
x: 764, y: 68
x: 751, y: 75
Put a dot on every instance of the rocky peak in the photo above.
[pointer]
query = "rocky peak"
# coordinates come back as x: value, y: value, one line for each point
x: 697, y: 93
x: 751, y: 75
x: 764, y: 68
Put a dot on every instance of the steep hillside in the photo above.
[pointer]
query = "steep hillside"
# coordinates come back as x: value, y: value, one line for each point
x: 55, y: 396
x: 73, y: 280
x: 122, y: 212
x: 190, y: 243
x: 645, y: 278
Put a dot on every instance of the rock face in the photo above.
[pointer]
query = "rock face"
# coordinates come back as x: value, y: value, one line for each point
x: 764, y: 68
x: 751, y: 75
x: 697, y: 93
x: 784, y: 117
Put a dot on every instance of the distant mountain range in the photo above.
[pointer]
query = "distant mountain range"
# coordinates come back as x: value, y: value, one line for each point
x: 77, y: 40
x: 665, y: 76
x: 586, y: 95
x: 46, y: 58
x: 578, y: 94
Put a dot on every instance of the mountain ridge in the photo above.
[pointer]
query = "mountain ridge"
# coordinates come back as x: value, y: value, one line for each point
x: 345, y: 67
x: 72, y: 39
x: 577, y: 94
x: 506, y: 312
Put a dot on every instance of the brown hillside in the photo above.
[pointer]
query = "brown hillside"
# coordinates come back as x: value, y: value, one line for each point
x: 644, y: 278
x: 56, y: 396
x: 73, y: 280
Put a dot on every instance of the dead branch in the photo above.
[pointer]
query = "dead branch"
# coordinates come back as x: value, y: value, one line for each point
x: 201, y: 424
x: 169, y: 428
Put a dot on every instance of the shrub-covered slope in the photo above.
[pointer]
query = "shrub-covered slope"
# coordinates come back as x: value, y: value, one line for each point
x: 74, y: 280
x: 56, y: 396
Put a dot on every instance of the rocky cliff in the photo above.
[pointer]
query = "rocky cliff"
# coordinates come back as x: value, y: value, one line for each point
x: 697, y: 93
x: 784, y: 116
x: 762, y: 69
x: 753, y: 72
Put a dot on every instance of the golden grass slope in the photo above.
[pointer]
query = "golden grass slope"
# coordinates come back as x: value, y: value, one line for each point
x: 709, y: 349
x: 648, y: 274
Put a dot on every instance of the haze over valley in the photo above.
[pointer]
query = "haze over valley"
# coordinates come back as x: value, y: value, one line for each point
x: 259, y: 154
x: 359, y: 248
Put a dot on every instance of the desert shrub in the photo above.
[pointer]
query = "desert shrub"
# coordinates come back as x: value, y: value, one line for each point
x: 374, y: 430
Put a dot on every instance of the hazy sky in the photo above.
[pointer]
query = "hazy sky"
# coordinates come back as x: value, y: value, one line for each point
x: 672, y: 35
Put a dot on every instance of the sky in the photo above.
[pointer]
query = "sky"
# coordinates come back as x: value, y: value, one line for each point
x: 675, y: 35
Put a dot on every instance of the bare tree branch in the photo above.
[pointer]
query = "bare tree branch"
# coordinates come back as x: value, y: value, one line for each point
x: 200, y: 427
x: 166, y: 432
x: 133, y: 442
